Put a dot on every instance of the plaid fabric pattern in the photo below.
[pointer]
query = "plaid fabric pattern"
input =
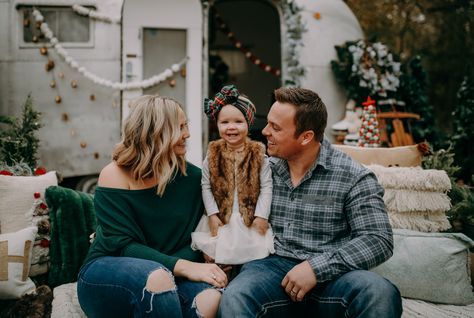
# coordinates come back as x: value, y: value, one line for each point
x: 229, y: 95
x: 335, y: 218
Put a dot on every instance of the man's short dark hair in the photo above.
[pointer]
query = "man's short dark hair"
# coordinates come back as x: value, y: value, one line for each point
x: 311, y: 113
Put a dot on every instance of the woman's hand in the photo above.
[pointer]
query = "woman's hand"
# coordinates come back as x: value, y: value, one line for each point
x: 199, y: 272
x: 214, y: 223
x: 260, y: 224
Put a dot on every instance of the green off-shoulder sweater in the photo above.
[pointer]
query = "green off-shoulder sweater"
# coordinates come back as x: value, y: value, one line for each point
x: 141, y: 224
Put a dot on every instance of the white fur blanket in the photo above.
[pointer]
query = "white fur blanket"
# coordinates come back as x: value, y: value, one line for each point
x: 412, y: 178
x: 401, y: 200
x: 420, y: 221
x: 416, y: 199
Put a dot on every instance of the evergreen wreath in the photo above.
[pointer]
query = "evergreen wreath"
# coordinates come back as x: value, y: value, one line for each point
x: 367, y: 69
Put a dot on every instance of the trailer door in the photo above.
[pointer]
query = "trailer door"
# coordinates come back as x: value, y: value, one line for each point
x: 156, y: 35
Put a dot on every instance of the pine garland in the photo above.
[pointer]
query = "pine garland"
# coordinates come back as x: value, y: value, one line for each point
x: 414, y: 90
x: 463, y: 127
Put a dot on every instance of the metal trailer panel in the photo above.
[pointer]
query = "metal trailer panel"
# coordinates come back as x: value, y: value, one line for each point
x: 78, y: 133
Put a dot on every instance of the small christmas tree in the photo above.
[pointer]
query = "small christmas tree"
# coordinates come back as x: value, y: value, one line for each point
x: 369, y: 135
x: 18, y: 143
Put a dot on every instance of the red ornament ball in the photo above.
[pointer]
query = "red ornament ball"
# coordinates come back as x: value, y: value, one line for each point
x: 44, y: 243
x: 40, y: 171
x: 37, y: 195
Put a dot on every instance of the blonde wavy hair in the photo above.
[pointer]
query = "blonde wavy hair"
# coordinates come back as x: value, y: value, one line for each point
x: 149, y: 134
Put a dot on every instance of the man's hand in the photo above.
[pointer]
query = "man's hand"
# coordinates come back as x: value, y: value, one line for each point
x: 214, y: 223
x: 299, y: 280
x: 260, y: 224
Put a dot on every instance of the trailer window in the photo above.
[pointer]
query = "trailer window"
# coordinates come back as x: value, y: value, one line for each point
x: 66, y: 25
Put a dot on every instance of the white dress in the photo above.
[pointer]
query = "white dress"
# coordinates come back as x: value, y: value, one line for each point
x: 235, y: 243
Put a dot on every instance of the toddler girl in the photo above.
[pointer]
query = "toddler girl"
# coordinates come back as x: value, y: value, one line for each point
x: 236, y: 186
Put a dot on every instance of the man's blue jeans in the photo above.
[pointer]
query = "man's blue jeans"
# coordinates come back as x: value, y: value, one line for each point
x: 257, y: 292
x: 115, y: 287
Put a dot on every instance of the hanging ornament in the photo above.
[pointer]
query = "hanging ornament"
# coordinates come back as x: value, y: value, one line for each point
x: 172, y: 82
x: 52, y: 84
x: 183, y: 72
x: 61, y: 75
x: 92, y: 97
x: 96, y: 155
x: 65, y: 117
x: 49, y: 65
x: 34, y: 39
x: 73, y: 84
x: 317, y: 15
x: 26, y: 23
x: 43, y: 50
x: 83, y: 144
x: 57, y: 99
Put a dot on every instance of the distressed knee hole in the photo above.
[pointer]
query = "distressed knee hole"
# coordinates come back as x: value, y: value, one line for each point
x: 159, y: 281
x: 207, y: 303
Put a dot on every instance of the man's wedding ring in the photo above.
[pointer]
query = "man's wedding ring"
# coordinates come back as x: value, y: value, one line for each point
x: 293, y: 292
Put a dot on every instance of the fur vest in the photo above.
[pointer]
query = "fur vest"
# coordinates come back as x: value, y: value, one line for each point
x: 227, y: 170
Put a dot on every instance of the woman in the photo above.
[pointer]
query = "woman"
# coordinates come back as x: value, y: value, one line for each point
x: 148, y: 201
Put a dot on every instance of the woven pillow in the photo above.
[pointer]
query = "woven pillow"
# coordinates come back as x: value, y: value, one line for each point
x: 24, y: 205
x: 433, y: 267
x: 15, y: 260
x: 18, y: 198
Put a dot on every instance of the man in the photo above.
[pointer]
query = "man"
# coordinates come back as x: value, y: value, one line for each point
x: 330, y: 227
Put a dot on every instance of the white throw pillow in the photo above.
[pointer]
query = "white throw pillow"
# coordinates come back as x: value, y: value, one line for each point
x: 433, y: 267
x: 15, y: 260
x: 17, y: 195
x: 404, y: 156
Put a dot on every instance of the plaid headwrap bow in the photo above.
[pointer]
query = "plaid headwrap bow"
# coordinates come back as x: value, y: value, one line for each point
x: 229, y: 95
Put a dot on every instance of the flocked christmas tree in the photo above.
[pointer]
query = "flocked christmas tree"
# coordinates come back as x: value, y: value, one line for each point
x: 18, y: 143
x: 369, y: 135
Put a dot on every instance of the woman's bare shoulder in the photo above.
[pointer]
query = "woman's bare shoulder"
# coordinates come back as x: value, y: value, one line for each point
x: 114, y: 176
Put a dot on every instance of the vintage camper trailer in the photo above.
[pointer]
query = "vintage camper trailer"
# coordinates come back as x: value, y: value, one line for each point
x: 89, y: 58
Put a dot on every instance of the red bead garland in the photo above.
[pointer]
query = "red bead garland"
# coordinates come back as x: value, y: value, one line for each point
x: 249, y: 55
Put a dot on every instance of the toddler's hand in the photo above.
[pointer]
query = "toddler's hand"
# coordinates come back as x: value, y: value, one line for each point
x: 261, y: 225
x: 207, y: 258
x: 214, y: 223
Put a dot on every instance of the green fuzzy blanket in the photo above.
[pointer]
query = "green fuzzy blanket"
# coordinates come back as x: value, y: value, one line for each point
x: 72, y: 219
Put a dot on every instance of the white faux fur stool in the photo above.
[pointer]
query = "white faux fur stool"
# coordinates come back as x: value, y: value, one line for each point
x: 65, y: 303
